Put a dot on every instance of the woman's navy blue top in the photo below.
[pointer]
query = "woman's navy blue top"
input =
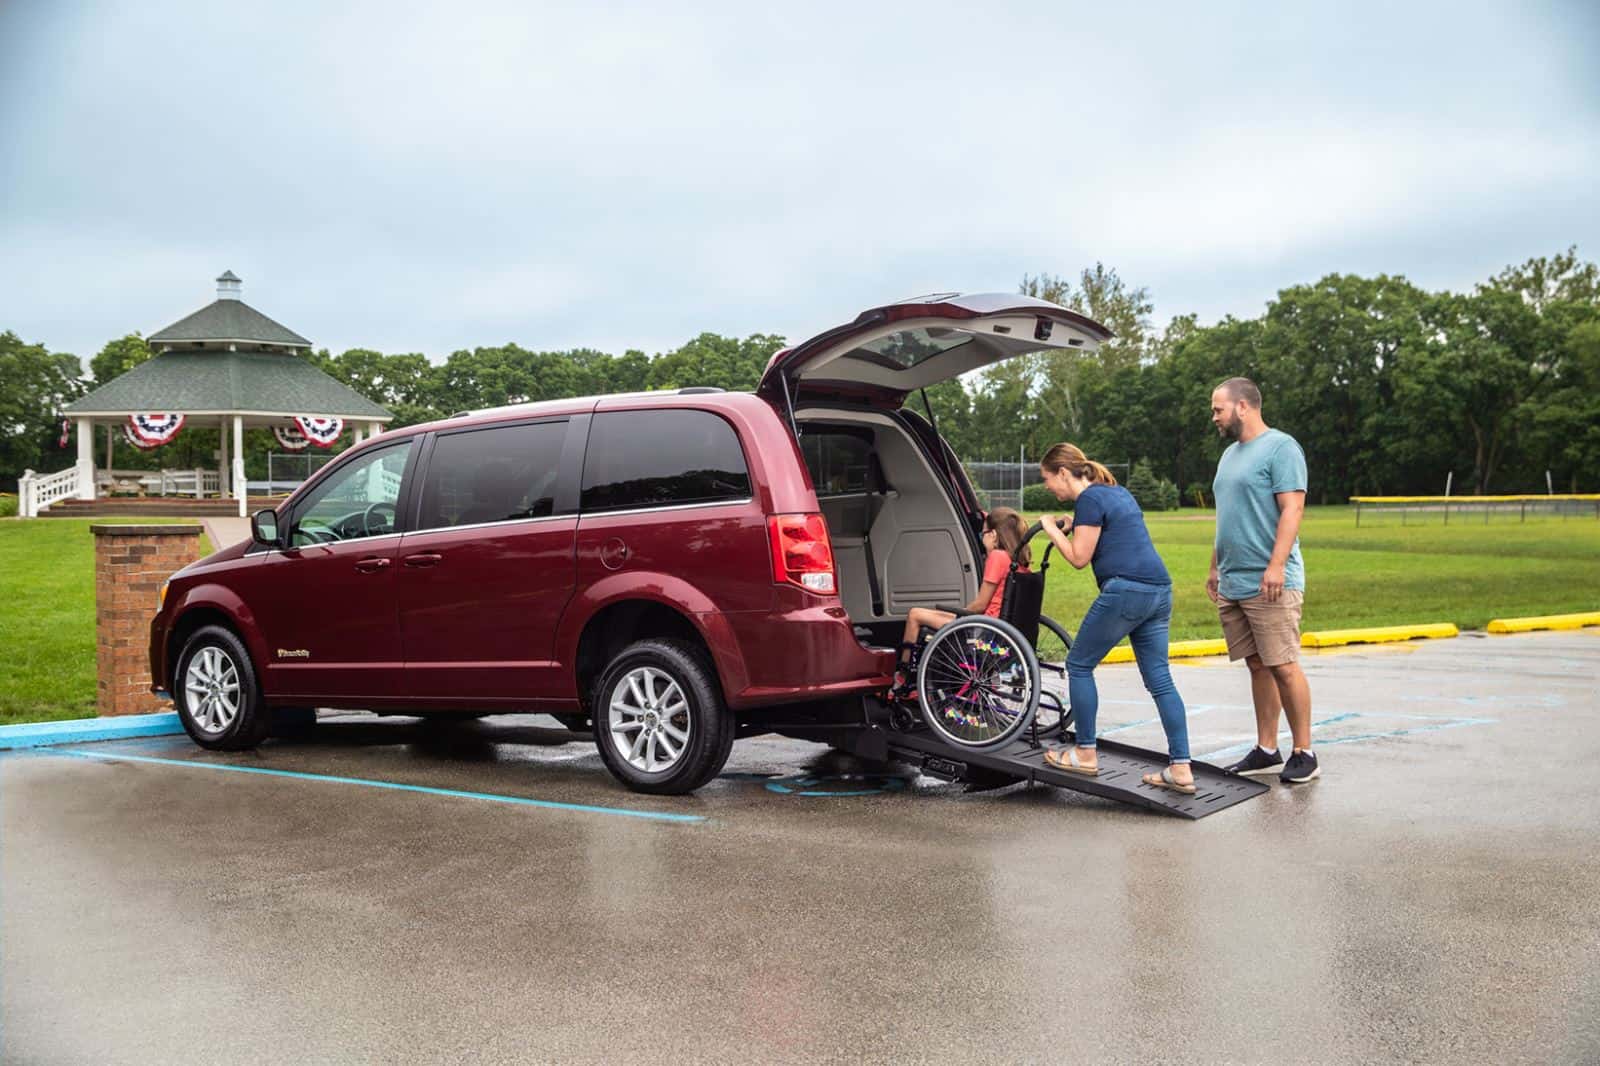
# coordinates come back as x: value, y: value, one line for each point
x: 1124, y: 548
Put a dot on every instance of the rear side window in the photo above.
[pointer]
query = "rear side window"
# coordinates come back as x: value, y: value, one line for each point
x: 492, y: 475
x: 840, y: 463
x: 661, y: 458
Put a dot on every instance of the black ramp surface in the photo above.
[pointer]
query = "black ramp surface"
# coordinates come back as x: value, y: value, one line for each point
x: 1121, y: 768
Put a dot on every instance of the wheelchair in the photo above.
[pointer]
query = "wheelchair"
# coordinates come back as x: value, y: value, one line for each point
x: 978, y: 678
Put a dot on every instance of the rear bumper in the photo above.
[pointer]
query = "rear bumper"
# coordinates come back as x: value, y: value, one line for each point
x: 803, y: 651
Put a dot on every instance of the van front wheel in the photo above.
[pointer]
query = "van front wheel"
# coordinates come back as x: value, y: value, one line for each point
x: 659, y: 719
x: 217, y: 698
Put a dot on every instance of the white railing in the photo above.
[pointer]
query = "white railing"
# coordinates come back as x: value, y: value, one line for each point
x: 198, y: 482
x: 36, y: 492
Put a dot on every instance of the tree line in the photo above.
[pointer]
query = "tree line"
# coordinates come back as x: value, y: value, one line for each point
x: 1387, y: 386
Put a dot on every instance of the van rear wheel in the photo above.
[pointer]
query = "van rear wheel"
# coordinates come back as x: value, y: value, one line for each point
x: 659, y: 719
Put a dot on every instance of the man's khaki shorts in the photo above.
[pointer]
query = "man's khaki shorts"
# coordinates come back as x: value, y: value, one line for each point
x: 1268, y: 630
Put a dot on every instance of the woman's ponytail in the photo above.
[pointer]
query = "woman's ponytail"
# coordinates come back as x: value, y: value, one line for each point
x: 1098, y: 473
x: 1070, y: 457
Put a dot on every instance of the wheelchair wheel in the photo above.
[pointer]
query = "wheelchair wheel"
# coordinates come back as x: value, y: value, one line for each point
x: 1053, y: 638
x: 978, y: 682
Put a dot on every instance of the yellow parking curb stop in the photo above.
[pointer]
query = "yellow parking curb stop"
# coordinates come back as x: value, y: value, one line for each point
x: 1182, y: 649
x: 1330, y: 638
x: 1548, y: 621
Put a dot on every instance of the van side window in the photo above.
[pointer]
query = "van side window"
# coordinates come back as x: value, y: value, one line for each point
x: 357, y: 500
x: 492, y: 475
x: 661, y: 458
x: 839, y: 463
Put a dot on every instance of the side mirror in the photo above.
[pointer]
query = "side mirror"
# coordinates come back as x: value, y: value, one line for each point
x: 264, y: 528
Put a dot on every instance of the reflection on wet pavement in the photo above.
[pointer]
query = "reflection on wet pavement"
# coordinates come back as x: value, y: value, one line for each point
x: 1432, y: 898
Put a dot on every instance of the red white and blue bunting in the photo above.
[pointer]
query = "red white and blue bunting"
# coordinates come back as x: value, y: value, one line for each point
x: 155, y: 429
x: 66, y: 432
x: 323, y: 432
x: 290, y: 438
x: 128, y: 434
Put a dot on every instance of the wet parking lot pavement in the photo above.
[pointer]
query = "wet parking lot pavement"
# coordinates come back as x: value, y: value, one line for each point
x: 1435, y: 897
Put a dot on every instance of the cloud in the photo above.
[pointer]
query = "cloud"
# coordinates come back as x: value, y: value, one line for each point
x: 628, y: 175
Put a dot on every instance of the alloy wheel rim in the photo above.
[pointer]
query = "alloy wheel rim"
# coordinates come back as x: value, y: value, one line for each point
x: 211, y: 684
x: 649, y: 720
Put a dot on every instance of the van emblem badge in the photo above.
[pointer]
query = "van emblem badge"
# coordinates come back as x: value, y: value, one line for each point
x: 296, y: 653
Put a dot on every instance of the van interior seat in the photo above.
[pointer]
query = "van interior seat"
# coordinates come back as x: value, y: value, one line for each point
x: 899, y: 517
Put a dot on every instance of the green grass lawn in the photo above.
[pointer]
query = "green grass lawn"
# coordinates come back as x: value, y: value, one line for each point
x: 47, y: 640
x: 1382, y: 573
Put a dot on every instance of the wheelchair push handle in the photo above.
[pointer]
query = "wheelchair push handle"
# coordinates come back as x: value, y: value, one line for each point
x: 1034, y: 530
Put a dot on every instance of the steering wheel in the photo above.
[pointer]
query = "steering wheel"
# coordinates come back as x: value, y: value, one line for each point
x: 366, y: 517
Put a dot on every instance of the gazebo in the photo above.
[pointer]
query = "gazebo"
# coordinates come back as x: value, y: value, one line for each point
x: 226, y: 362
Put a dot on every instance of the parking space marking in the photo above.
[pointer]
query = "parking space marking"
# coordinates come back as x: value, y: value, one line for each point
x: 1435, y: 723
x: 522, y: 801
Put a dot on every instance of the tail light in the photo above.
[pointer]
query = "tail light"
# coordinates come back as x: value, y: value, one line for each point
x: 801, y: 554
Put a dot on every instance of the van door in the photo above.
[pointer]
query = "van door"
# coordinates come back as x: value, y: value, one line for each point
x: 326, y: 604
x: 488, y: 566
x: 889, y: 352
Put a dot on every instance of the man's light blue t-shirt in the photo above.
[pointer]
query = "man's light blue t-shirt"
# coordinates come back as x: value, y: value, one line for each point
x: 1248, y: 478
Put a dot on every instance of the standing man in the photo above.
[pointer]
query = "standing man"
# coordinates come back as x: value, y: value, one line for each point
x: 1257, y: 580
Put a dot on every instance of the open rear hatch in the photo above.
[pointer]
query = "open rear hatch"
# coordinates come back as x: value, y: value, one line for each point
x: 890, y: 352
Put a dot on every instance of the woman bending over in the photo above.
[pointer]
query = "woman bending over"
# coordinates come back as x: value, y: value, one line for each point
x: 1135, y: 601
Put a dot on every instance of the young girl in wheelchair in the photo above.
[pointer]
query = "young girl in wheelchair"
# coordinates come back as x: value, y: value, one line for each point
x: 1003, y: 532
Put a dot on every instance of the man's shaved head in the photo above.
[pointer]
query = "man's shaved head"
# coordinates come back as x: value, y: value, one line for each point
x: 1242, y: 389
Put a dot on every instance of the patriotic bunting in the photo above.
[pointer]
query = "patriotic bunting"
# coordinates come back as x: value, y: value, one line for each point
x: 66, y: 432
x: 154, y: 429
x: 128, y: 434
x: 290, y: 438
x: 323, y: 432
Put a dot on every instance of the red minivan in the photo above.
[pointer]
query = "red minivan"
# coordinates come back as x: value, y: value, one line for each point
x: 668, y: 570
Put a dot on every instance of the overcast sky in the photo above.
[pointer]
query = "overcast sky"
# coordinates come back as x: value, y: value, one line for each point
x: 625, y: 176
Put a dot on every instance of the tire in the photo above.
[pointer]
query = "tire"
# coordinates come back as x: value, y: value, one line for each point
x: 1060, y: 631
x: 978, y: 683
x: 684, y: 732
x: 219, y: 700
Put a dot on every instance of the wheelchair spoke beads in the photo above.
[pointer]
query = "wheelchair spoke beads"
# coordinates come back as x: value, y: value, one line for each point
x: 978, y: 682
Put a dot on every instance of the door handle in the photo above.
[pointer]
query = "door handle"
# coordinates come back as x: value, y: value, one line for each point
x: 371, y: 564
x: 423, y: 559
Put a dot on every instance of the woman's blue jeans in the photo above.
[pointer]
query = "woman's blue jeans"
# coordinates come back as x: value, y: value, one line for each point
x: 1141, y: 612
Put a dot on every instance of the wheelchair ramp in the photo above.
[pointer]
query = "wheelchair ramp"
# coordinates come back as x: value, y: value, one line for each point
x: 1121, y: 767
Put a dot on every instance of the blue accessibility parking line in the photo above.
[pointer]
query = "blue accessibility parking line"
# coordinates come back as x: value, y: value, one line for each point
x: 83, y: 730
x: 521, y: 801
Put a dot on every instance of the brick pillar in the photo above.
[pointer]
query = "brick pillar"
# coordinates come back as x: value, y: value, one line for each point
x: 130, y: 563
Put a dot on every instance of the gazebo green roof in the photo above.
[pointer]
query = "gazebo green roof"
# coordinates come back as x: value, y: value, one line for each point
x: 228, y: 321
x: 227, y: 382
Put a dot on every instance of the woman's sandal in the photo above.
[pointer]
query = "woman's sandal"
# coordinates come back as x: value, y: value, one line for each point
x: 1165, y: 780
x: 1070, y: 763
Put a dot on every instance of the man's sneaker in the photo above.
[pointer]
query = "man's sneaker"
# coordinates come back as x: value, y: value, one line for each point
x: 1302, y: 767
x: 1256, y: 763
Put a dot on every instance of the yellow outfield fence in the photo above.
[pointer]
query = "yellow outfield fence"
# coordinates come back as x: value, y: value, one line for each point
x: 1475, y: 499
x: 1569, y: 504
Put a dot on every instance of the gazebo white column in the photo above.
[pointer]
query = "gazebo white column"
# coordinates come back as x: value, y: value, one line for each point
x: 240, y: 489
x: 85, y: 462
x: 374, y: 428
x: 224, y: 468
x: 356, y: 435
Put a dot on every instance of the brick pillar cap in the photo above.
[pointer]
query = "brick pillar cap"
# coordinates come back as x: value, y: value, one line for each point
x: 180, y: 529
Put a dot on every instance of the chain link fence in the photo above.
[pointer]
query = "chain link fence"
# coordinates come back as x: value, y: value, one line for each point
x: 1002, y: 482
x: 286, y: 471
